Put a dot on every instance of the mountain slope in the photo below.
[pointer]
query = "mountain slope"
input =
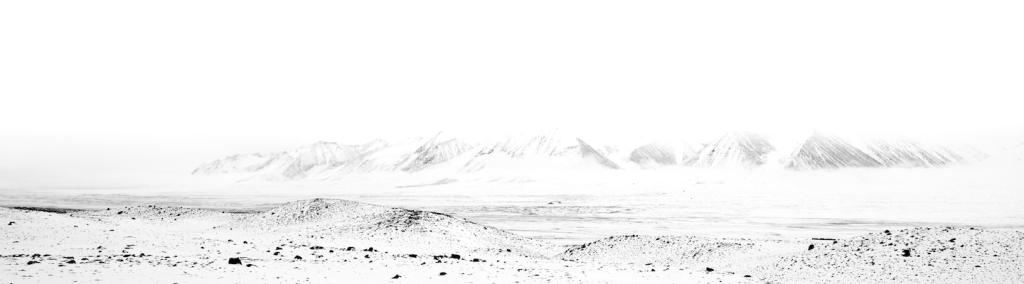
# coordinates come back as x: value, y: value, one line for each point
x: 735, y: 150
x: 826, y: 152
x: 537, y: 152
x: 829, y: 152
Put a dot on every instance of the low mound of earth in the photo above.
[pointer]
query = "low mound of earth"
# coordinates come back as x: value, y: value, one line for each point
x: 944, y: 255
x: 328, y: 221
x: 678, y: 251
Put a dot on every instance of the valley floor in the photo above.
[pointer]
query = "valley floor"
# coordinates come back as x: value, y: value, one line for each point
x: 331, y: 241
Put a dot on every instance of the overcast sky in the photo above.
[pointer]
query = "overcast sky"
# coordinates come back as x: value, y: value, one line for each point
x: 101, y: 87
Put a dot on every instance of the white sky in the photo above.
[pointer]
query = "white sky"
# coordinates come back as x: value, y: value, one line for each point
x: 99, y: 87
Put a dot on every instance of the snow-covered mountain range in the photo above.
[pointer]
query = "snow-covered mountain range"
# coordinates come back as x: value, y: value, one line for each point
x: 547, y: 153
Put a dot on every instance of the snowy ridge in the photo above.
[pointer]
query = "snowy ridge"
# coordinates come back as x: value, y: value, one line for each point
x: 735, y: 150
x: 550, y: 153
x: 663, y: 154
x: 291, y: 164
x: 544, y: 151
x: 830, y: 152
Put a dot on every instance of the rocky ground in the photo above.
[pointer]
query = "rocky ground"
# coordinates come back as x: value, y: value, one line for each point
x: 324, y: 240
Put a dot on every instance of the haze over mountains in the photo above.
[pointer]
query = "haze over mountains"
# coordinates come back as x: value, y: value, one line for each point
x: 554, y: 152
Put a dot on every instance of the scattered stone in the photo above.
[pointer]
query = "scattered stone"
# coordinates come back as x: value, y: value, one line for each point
x: 906, y: 252
x: 455, y: 256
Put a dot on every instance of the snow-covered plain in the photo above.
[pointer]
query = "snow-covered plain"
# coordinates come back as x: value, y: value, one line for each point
x: 756, y: 222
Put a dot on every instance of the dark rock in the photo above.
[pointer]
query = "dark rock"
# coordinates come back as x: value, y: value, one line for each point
x: 298, y: 257
x: 31, y: 262
x: 277, y: 248
x: 277, y: 253
x: 249, y: 265
x: 350, y: 248
x: 887, y: 232
x: 413, y: 255
x: 455, y: 256
x: 370, y: 249
x: 71, y: 261
x: 442, y: 273
x: 746, y: 276
x: 477, y: 260
x: 906, y: 252
x: 709, y: 269
x: 10, y: 223
x: 810, y: 247
x: 235, y: 260
x: 396, y: 276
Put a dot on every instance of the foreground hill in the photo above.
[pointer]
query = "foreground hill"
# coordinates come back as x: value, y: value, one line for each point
x: 322, y: 240
x: 350, y: 222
